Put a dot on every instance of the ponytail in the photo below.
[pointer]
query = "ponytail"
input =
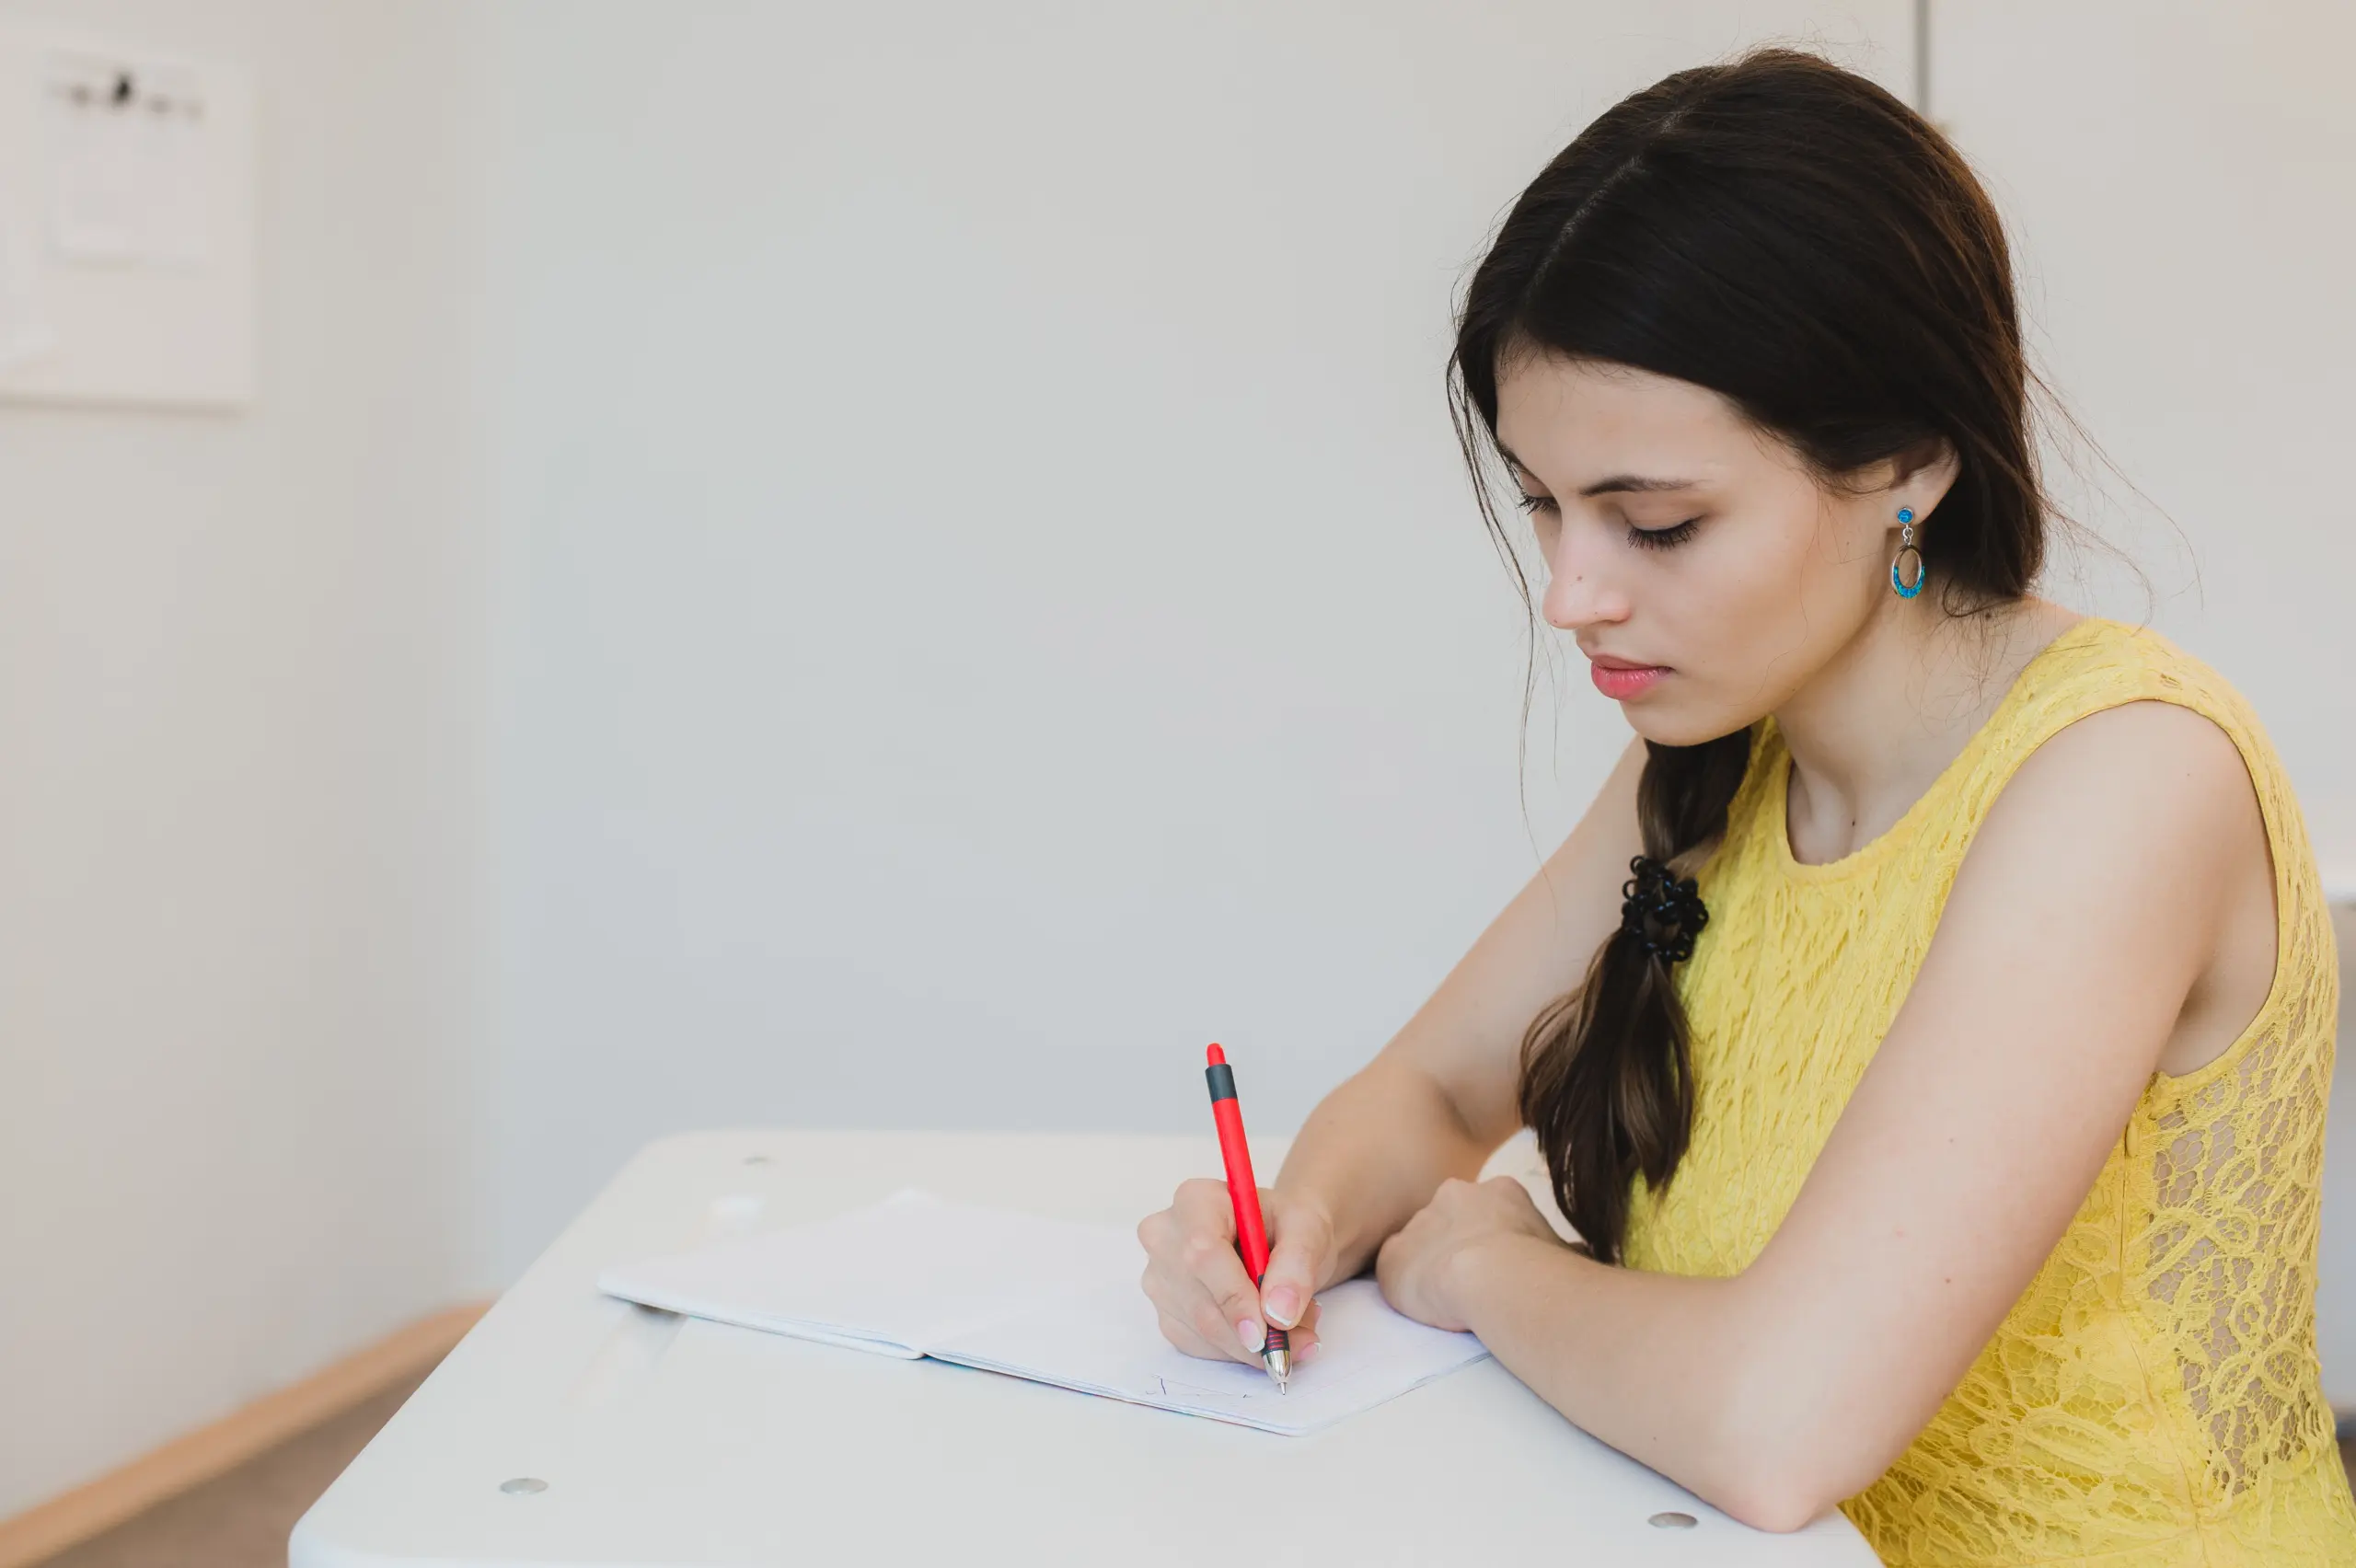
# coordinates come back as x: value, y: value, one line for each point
x: 1607, y: 1070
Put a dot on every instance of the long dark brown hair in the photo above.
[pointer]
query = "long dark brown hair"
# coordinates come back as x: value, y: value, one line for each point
x: 1789, y: 234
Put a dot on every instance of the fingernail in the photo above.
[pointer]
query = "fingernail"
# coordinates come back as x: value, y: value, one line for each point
x: 1308, y: 1352
x: 1283, y: 1306
x: 1248, y: 1329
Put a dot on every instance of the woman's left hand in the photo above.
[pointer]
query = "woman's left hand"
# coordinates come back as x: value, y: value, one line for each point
x: 1418, y: 1266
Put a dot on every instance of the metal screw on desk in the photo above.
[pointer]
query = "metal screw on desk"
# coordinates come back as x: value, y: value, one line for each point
x: 522, y: 1486
x: 1672, y: 1521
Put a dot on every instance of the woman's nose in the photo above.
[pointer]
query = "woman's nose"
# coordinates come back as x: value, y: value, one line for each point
x: 1578, y: 593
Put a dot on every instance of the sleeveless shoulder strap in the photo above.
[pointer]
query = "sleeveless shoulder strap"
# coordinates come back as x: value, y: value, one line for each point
x: 2100, y: 664
x: 2096, y: 663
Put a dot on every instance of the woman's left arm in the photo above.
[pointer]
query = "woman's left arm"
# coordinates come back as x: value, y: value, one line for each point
x: 2085, y: 911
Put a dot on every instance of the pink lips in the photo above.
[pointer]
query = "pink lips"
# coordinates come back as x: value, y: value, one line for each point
x: 1622, y: 683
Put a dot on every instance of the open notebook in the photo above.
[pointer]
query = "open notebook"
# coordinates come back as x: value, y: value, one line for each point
x: 1052, y: 1300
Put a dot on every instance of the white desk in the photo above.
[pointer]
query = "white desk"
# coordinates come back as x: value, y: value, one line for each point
x: 675, y: 1442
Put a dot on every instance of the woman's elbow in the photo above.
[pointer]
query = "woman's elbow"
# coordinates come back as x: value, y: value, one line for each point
x: 1768, y: 1501
x: 1784, y: 1459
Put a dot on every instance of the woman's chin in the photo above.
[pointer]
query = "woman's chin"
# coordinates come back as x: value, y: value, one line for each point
x: 1667, y: 727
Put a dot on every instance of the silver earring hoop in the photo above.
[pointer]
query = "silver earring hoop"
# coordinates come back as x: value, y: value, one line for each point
x: 1906, y: 548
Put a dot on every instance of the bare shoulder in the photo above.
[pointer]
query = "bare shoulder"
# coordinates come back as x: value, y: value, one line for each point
x: 2150, y: 762
x: 2143, y: 819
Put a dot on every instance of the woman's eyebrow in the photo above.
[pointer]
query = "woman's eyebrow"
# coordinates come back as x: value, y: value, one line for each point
x: 1635, y: 482
x: 1617, y: 483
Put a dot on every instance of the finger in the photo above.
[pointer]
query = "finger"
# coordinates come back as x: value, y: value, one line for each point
x: 1287, y: 1289
x: 1225, y: 1292
x: 1205, y: 1284
x: 1228, y: 1329
x: 1216, y: 1328
x: 1155, y: 1230
x: 1386, y: 1266
x: 1513, y: 1190
x: 1164, y: 1283
x: 1198, y: 1204
x: 1182, y: 1336
x: 1175, y: 1298
x: 1302, y: 1337
x: 1201, y: 1203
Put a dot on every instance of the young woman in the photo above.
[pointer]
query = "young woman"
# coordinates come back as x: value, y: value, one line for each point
x: 1940, y: 1102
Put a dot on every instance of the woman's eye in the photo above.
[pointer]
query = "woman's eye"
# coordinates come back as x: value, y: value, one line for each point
x: 1642, y: 538
x: 1663, y: 538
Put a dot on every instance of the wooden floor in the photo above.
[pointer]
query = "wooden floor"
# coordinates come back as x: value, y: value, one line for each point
x: 241, y: 1519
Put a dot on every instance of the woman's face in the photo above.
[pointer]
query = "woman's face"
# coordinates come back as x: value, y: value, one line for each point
x: 1679, y: 538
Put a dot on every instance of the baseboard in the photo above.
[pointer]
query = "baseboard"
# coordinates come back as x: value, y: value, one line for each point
x: 188, y: 1462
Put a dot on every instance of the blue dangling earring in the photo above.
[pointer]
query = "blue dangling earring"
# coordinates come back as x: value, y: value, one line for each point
x: 1905, y: 549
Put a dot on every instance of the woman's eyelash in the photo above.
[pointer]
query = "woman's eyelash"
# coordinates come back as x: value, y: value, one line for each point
x: 1663, y: 538
x: 1641, y: 538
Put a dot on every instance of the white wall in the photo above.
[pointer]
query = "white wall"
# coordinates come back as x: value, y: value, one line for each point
x: 239, y: 670
x: 984, y: 597
x: 2180, y: 184
x: 988, y: 599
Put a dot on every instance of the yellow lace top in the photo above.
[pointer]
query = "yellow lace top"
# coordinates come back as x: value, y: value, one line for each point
x: 2153, y: 1397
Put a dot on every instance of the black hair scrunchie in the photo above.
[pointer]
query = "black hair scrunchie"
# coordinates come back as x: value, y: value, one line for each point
x: 1662, y: 911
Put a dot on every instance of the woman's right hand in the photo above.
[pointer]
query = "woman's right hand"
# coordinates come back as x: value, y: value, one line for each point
x: 1196, y: 1279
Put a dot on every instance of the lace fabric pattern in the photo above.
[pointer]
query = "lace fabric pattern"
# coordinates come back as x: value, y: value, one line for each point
x: 2153, y: 1398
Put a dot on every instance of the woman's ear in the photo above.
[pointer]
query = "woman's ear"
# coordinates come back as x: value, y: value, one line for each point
x: 1924, y: 473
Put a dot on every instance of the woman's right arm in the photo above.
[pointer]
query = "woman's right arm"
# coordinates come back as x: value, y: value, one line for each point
x: 1435, y: 1102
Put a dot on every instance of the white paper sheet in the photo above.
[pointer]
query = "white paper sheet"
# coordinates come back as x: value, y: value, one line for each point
x: 1108, y: 1343
x: 1049, y: 1301
x: 895, y: 1277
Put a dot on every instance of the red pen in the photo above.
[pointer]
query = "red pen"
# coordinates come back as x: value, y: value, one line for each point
x: 1243, y: 1192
